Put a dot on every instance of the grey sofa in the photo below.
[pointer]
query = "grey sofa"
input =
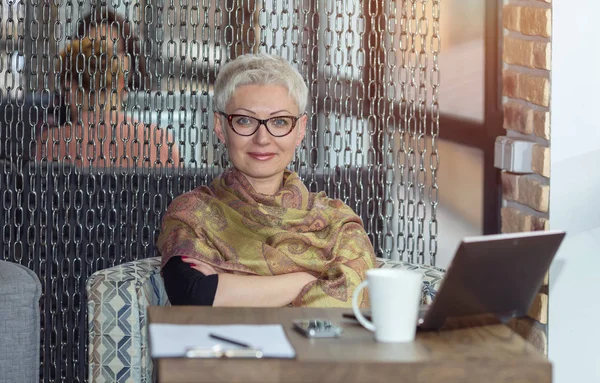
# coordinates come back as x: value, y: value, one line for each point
x: 20, y: 292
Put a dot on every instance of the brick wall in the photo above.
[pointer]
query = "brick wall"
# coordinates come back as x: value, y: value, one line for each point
x: 526, y: 90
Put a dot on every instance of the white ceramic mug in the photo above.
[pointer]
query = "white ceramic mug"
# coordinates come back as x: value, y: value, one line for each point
x: 395, y: 300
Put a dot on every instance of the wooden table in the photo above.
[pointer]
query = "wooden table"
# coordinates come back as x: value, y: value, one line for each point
x: 487, y: 354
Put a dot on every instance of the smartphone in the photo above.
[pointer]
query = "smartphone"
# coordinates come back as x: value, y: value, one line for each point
x: 317, y: 328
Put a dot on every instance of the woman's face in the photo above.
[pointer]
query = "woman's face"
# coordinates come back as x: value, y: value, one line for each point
x: 261, y: 157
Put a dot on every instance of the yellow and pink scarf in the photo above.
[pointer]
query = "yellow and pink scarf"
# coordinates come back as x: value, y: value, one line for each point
x: 231, y: 228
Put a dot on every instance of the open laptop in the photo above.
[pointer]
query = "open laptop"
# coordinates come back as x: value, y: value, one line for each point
x: 493, y: 274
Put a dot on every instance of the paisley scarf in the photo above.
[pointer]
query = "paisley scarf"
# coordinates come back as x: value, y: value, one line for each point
x: 231, y: 228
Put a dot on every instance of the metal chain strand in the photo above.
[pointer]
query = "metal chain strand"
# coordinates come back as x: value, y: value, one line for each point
x: 372, y: 121
x: 401, y: 154
x: 327, y: 73
x: 389, y: 122
x: 346, y: 102
x: 434, y: 159
x: 105, y: 122
x: 338, y: 61
x: 411, y: 127
x: 313, y: 55
x: 423, y: 28
x: 361, y: 121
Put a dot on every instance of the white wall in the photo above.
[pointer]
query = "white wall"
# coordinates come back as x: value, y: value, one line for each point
x: 574, y: 337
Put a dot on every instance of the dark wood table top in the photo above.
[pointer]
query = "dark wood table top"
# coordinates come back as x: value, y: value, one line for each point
x: 486, y: 354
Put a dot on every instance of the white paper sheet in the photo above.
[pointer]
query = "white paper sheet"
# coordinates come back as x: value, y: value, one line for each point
x: 171, y: 340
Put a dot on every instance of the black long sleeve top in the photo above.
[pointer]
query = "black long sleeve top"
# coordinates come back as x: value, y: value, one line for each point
x: 187, y: 286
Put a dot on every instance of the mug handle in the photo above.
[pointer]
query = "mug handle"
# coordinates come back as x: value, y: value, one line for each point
x: 361, y: 318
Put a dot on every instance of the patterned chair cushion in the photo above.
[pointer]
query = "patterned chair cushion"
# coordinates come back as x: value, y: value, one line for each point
x: 118, y: 298
x: 117, y: 301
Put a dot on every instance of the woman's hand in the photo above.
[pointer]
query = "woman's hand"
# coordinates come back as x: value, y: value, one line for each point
x: 199, y: 265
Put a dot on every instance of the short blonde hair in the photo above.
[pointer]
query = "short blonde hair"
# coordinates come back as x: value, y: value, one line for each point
x: 259, y: 69
x: 93, y: 61
x: 127, y: 44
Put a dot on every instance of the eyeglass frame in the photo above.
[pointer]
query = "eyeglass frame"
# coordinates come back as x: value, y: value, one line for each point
x: 230, y: 117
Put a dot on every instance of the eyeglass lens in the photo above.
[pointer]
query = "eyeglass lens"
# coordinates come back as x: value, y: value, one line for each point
x: 277, y: 126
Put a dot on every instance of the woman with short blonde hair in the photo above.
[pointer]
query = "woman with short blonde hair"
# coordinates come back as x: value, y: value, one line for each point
x: 256, y: 236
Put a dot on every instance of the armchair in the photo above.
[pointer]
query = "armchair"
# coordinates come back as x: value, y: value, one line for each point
x: 117, y: 301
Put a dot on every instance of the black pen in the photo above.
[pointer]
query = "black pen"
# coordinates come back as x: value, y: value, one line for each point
x: 237, y: 343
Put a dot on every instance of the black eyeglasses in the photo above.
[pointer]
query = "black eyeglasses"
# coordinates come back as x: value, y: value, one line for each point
x: 246, y: 126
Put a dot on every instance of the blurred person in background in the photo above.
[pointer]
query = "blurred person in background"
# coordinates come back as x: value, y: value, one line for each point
x: 99, y: 67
